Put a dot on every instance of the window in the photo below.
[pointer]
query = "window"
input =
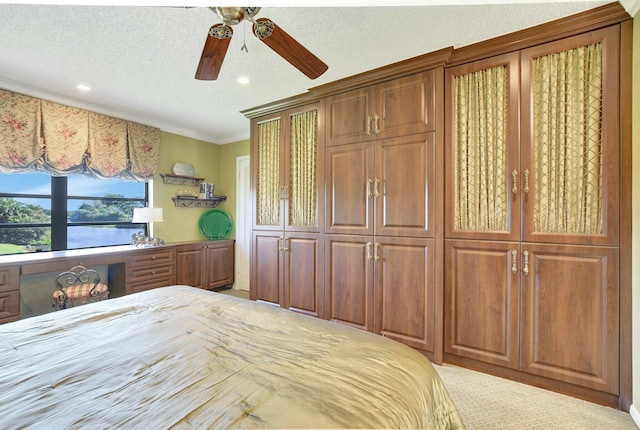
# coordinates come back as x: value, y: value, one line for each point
x: 39, y: 212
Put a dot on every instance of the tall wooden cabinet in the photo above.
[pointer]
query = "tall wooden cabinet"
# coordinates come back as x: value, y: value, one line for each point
x: 473, y: 203
x: 287, y: 179
x: 380, y: 208
x: 532, y: 212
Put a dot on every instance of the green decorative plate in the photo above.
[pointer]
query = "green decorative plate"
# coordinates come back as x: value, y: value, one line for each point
x: 215, y: 224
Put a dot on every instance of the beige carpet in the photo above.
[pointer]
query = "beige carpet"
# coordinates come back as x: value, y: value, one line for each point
x: 490, y: 403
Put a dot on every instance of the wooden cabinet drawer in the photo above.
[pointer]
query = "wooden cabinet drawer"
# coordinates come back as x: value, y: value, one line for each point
x: 152, y: 257
x: 9, y: 278
x: 147, y: 273
x: 9, y: 306
x: 163, y: 281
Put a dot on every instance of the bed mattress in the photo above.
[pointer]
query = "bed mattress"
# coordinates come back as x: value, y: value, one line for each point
x: 181, y: 357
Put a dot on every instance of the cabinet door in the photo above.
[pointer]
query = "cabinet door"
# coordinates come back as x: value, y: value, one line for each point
x: 267, y: 166
x: 405, y: 106
x: 219, y: 264
x: 404, y: 186
x: 405, y: 290
x: 349, y: 117
x: 482, y: 157
x: 349, y: 280
x: 304, y: 288
x: 189, y: 265
x: 304, y: 169
x: 349, y: 189
x: 571, y: 149
x: 482, y: 301
x: 570, y: 315
x: 267, y: 268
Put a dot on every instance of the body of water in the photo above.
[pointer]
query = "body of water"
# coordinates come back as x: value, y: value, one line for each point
x: 91, y: 236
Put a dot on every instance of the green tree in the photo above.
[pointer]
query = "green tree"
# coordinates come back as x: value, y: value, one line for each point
x: 104, y: 210
x: 14, y: 212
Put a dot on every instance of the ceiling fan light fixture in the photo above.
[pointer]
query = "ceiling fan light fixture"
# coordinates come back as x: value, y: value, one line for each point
x: 230, y: 15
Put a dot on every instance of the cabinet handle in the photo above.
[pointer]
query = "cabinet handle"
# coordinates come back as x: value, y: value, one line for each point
x: 369, y: 250
x: 377, y: 123
x: 526, y: 181
x: 369, y: 120
x: 281, y: 244
x: 376, y: 188
x: 514, y: 174
x: 285, y: 240
x: 514, y: 257
x: 376, y: 255
x: 369, y: 186
x: 525, y: 269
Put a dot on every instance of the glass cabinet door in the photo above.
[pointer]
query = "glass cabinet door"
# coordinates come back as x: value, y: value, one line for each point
x: 570, y: 135
x: 482, y: 157
x: 302, y: 185
x: 269, y: 192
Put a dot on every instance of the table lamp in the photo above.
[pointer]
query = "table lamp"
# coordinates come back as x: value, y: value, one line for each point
x: 146, y: 215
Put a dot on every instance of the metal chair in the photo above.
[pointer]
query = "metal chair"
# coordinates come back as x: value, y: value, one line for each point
x: 78, y: 286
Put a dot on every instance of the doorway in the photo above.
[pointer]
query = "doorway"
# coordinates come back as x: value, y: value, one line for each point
x: 243, y: 222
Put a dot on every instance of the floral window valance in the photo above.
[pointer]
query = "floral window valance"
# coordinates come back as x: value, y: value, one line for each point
x: 38, y: 135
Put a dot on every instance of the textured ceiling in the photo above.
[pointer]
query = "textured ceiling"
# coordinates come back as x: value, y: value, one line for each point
x: 140, y: 61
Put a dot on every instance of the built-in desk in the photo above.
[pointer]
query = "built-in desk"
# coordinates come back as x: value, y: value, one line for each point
x: 130, y: 269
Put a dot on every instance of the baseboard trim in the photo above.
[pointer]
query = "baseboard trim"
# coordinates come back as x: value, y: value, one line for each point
x: 635, y: 415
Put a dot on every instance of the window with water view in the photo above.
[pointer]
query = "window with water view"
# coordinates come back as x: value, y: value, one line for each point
x: 40, y: 212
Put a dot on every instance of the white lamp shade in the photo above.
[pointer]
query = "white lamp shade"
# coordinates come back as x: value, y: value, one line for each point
x: 146, y: 214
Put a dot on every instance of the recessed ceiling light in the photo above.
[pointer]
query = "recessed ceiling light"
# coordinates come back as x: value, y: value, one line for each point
x: 243, y: 80
x: 84, y: 87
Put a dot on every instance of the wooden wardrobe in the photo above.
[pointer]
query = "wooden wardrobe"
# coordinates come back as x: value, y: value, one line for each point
x: 472, y: 203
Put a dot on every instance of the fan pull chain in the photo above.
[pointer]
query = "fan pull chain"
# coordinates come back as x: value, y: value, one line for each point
x: 244, y: 42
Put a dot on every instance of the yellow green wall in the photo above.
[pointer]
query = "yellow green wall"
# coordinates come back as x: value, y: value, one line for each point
x: 214, y: 163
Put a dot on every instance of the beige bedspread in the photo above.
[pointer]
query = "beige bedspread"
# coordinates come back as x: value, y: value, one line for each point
x: 181, y: 357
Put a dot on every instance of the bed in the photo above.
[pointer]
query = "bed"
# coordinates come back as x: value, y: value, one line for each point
x: 182, y: 357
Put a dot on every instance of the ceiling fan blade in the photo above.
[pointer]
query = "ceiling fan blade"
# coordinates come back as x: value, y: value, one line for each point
x: 288, y: 48
x: 215, y: 48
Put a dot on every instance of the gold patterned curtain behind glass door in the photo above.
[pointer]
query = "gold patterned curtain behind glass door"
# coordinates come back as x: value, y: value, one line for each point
x: 303, y: 169
x: 268, y: 190
x: 567, y: 105
x: 480, y: 140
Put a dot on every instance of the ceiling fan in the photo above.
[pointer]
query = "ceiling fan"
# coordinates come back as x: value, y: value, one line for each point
x: 219, y: 37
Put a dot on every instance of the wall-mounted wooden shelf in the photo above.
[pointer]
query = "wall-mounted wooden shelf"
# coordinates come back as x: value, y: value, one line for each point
x: 168, y: 178
x: 190, y: 202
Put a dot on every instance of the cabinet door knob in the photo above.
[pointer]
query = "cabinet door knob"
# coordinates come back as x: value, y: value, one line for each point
x: 369, y: 120
x: 369, y: 244
x: 526, y: 181
x: 514, y: 174
x: 377, y: 123
x: 514, y: 261
x: 369, y: 186
x: 376, y: 254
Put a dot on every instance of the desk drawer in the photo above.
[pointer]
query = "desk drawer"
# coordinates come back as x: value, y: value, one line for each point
x: 152, y: 257
x: 148, y: 273
x: 9, y: 306
x: 164, y: 281
x: 9, y: 278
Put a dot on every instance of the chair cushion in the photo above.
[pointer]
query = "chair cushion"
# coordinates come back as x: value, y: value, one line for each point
x: 83, y: 291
